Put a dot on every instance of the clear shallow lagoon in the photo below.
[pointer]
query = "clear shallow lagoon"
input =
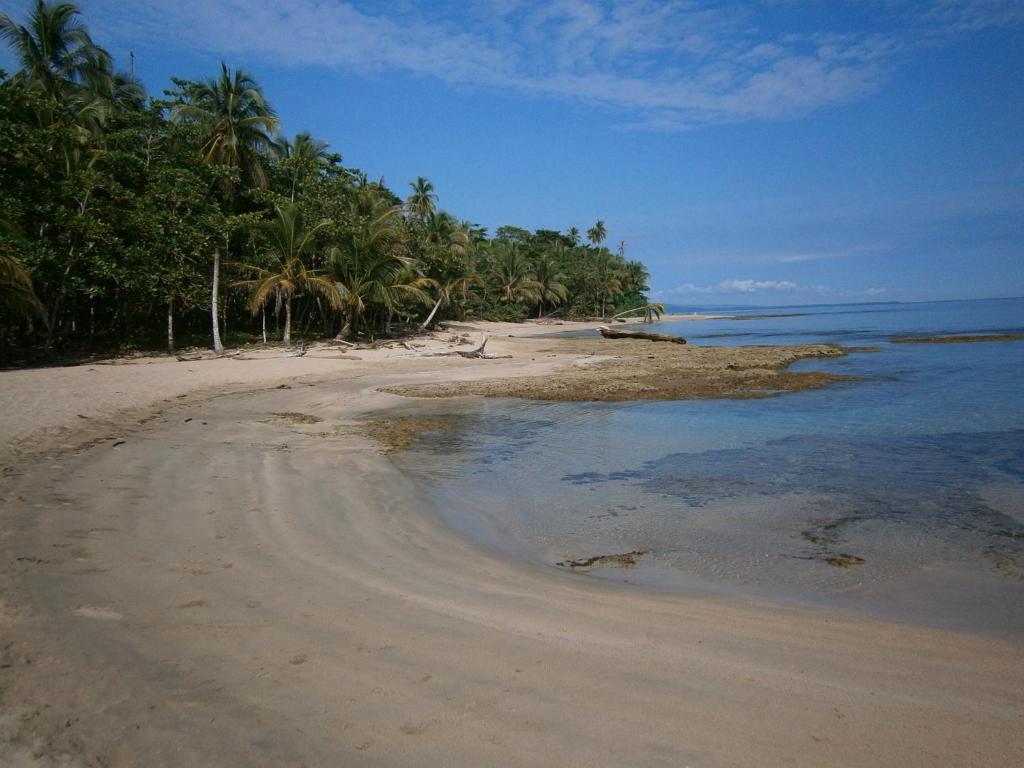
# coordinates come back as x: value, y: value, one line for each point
x: 917, y: 468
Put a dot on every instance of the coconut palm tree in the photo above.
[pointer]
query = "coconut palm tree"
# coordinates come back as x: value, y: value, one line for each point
x: 288, y: 243
x: 421, y: 202
x: 450, y: 270
x: 512, y: 275
x: 597, y: 233
x: 57, y: 57
x: 54, y: 49
x: 550, y: 286
x: 574, y: 235
x: 305, y: 156
x: 16, y: 294
x: 449, y: 282
x: 369, y: 265
x: 238, y: 130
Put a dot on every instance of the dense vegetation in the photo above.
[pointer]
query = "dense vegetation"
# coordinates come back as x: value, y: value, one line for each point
x: 129, y: 221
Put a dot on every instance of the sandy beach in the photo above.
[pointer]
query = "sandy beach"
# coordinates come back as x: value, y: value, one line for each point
x: 212, y: 562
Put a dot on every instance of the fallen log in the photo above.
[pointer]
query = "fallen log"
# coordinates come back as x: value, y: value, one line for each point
x: 608, y: 333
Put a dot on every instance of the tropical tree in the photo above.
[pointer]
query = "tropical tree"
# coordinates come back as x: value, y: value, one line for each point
x: 287, y: 242
x: 369, y: 265
x: 574, y: 235
x: 512, y: 275
x: 54, y: 49
x: 303, y: 157
x: 421, y: 202
x: 550, y: 285
x: 597, y: 233
x: 237, y: 131
x: 16, y: 294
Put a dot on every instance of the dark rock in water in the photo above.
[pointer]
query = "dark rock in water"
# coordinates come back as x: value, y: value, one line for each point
x: 844, y: 561
x: 624, y: 560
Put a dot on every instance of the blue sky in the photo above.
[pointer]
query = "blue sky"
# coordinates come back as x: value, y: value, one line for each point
x: 765, y: 152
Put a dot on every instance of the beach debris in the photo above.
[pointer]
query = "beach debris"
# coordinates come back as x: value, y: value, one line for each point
x: 608, y: 333
x: 844, y: 561
x: 291, y: 417
x: 119, y: 442
x: 624, y: 560
x: 478, y: 353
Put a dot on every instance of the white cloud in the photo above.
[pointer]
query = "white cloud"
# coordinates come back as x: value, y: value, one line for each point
x: 744, y: 286
x: 752, y: 286
x: 665, y: 65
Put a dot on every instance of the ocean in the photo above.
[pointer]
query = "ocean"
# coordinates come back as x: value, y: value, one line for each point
x: 898, y: 494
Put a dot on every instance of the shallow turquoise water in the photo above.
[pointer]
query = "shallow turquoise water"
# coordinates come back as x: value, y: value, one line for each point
x: 917, y: 468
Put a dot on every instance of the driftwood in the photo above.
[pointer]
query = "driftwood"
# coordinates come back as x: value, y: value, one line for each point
x: 477, y: 354
x: 608, y: 333
x: 198, y: 358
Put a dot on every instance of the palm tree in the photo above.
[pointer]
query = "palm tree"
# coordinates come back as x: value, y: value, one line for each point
x: 421, y: 202
x: 574, y: 235
x: 287, y: 241
x: 450, y: 271
x: 369, y: 265
x: 305, y: 156
x: 447, y: 283
x: 550, y: 287
x: 238, y: 130
x: 58, y: 58
x: 16, y: 294
x: 54, y: 49
x: 512, y: 275
x: 597, y: 233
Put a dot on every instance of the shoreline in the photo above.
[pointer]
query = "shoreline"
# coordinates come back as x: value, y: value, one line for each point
x: 236, y: 586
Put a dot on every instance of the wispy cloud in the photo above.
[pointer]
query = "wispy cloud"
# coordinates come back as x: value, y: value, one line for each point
x: 665, y: 65
x: 739, y: 286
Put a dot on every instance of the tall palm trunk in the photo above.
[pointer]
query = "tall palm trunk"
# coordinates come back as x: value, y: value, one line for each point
x: 170, y: 326
x: 214, y: 314
x: 288, y: 321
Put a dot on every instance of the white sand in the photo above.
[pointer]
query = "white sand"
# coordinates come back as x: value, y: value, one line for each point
x: 226, y: 588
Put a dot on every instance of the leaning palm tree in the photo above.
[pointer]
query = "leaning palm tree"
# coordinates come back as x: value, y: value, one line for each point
x: 421, y: 202
x: 288, y: 244
x: 451, y: 244
x: 550, y: 286
x: 369, y: 266
x: 238, y: 129
x: 649, y: 312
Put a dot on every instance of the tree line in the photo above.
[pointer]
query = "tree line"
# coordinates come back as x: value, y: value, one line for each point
x: 130, y: 221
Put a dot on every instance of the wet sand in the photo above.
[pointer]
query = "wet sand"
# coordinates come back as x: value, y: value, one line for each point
x: 247, y: 580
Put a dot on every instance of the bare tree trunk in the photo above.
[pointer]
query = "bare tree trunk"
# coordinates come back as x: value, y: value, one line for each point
x: 214, y: 314
x: 387, y: 321
x: 288, y: 321
x: 170, y: 326
x: 263, y: 315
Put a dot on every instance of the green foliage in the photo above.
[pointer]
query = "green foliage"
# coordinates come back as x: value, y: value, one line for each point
x: 118, y: 213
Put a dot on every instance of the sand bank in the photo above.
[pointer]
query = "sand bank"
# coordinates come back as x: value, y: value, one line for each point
x: 233, y: 585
